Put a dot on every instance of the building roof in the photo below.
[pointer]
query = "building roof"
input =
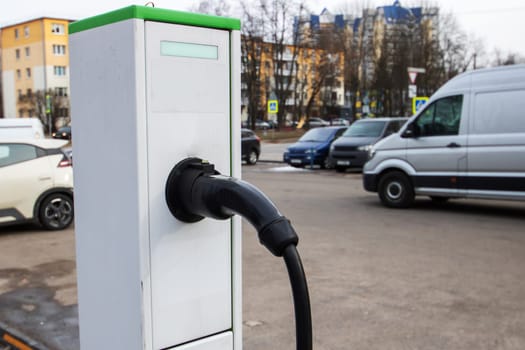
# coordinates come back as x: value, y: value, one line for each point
x: 34, y: 20
x: 396, y: 12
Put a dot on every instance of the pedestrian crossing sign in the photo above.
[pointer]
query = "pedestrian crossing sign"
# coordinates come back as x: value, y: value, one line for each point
x: 418, y: 103
x: 273, y: 106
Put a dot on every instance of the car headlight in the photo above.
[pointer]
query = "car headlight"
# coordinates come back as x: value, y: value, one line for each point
x: 365, y: 148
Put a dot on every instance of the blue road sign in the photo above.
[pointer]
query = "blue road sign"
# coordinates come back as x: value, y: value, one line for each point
x: 418, y: 103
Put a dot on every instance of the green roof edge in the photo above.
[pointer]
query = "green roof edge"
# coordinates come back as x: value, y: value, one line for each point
x: 157, y: 15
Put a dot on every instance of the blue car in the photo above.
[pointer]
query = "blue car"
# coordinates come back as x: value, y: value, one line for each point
x: 313, y: 147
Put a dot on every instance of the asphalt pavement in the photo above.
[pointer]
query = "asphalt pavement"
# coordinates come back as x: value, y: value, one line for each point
x: 431, y: 277
x: 272, y: 152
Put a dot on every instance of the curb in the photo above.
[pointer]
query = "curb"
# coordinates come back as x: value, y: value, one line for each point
x: 269, y: 161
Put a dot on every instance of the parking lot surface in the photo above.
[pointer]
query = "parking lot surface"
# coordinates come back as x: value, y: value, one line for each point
x: 446, y: 276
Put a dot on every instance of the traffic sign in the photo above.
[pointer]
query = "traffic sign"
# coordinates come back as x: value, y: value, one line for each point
x: 418, y: 103
x: 412, y: 90
x: 48, y: 103
x: 412, y: 73
x: 412, y: 76
x: 273, y: 106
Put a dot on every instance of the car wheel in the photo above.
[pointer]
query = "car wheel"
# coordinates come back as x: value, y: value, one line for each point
x: 395, y: 190
x: 340, y: 169
x: 56, y: 212
x: 252, y: 157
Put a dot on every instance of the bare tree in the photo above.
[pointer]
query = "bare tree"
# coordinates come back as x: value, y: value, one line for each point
x: 279, y: 19
x: 252, y: 47
x: 505, y: 59
x: 212, y: 7
x: 316, y: 78
x: 48, y: 106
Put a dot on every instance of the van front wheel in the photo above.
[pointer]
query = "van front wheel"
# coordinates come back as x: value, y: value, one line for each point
x: 395, y: 190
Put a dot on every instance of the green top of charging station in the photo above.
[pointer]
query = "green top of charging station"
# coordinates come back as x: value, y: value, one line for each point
x: 156, y: 15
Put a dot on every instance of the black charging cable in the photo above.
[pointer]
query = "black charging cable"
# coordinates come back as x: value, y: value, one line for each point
x: 195, y: 190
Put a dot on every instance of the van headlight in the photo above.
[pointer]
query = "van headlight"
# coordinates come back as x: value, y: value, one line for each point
x: 366, y: 148
x: 371, y: 153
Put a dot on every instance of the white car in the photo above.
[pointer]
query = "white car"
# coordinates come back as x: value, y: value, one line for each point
x: 339, y: 121
x: 315, y: 122
x: 36, y: 183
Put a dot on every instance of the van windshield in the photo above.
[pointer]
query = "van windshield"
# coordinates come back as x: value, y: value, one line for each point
x: 371, y: 128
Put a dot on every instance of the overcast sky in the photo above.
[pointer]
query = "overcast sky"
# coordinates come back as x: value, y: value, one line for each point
x: 498, y: 23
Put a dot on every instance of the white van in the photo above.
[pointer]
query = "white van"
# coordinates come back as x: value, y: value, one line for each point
x: 31, y: 128
x: 468, y: 141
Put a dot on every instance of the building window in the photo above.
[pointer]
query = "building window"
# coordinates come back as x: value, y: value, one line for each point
x: 26, y: 31
x: 57, y: 28
x: 29, y: 93
x: 28, y: 51
x: 28, y: 72
x: 17, y: 54
x: 61, y: 91
x: 18, y: 74
x: 19, y: 93
x: 59, y: 70
x: 62, y: 112
x: 59, y: 50
x: 16, y: 33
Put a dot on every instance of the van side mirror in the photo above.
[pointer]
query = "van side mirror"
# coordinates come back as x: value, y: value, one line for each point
x: 411, y: 131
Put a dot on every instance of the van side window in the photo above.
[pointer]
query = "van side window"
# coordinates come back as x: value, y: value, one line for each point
x: 441, y: 118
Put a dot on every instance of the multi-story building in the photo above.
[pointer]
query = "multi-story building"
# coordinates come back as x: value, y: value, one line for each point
x: 363, y: 39
x: 311, y: 78
x: 35, y: 69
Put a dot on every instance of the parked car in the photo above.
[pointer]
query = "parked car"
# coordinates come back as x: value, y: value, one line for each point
x: 351, y: 149
x: 261, y: 124
x: 312, y: 148
x: 467, y: 141
x: 250, y: 146
x: 37, y: 183
x: 315, y: 122
x: 273, y: 124
x: 339, y: 121
x: 63, y: 133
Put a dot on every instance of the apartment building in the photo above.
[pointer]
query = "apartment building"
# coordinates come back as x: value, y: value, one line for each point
x: 362, y: 35
x: 313, y: 76
x: 35, y: 69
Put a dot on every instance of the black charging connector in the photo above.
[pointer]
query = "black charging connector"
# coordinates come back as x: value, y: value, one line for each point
x: 195, y: 190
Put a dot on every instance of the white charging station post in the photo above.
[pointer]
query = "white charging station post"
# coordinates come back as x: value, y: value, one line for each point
x: 150, y: 87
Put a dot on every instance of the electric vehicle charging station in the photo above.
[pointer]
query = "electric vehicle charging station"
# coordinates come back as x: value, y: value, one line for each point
x: 151, y: 87
x: 154, y: 92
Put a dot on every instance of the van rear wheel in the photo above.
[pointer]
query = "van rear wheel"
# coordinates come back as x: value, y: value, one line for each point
x: 395, y: 190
